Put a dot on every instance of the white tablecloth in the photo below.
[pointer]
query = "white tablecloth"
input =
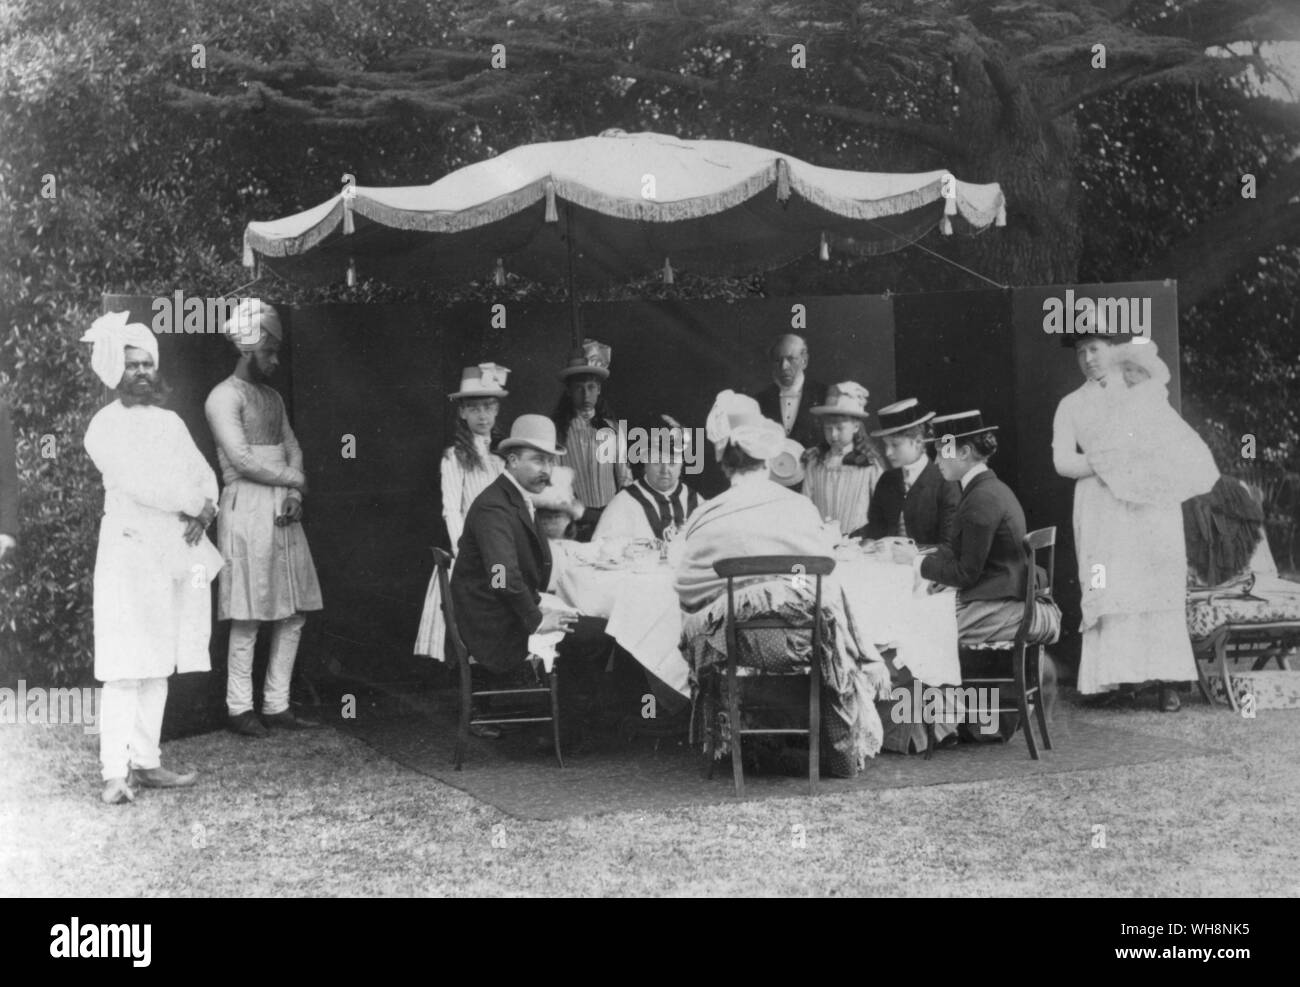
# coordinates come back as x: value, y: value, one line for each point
x: 645, y: 618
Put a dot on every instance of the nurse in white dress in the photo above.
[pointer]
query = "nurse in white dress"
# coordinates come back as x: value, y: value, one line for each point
x: 1132, y: 558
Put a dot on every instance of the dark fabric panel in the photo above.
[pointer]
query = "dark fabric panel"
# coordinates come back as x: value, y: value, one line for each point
x: 953, y: 351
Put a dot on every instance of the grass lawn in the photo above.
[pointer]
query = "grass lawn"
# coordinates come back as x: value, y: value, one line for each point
x: 323, y: 814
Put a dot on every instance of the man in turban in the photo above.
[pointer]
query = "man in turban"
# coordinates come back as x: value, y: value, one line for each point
x: 270, y: 575
x: 153, y: 605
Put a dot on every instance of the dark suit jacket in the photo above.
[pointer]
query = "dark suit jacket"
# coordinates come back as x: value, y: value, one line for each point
x: 807, y: 430
x: 8, y: 475
x: 929, y: 509
x: 985, y: 560
x: 502, y: 565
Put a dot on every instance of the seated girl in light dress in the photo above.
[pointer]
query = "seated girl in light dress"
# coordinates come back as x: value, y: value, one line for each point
x: 841, y: 474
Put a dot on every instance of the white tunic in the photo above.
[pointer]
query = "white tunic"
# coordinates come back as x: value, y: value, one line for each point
x: 153, y: 604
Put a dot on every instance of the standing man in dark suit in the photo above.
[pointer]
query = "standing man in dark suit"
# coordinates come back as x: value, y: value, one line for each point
x: 8, y: 484
x: 912, y: 499
x: 502, y: 562
x: 985, y: 560
x: 791, y: 396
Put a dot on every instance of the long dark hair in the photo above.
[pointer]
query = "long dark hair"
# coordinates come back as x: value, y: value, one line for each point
x: 464, y: 449
x: 863, y: 453
x: 564, y: 412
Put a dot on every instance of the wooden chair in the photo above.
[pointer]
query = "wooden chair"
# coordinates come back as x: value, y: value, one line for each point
x: 789, y: 566
x: 1026, y: 675
x: 442, y: 560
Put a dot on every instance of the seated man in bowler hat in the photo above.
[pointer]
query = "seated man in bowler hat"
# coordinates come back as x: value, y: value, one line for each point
x: 912, y: 499
x: 504, y: 565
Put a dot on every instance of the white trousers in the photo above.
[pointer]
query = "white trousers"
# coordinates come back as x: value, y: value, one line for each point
x: 285, y: 635
x: 130, y: 725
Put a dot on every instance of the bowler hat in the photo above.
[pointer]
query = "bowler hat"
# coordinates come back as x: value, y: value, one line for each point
x: 532, y: 432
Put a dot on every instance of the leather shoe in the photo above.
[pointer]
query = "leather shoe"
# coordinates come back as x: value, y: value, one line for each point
x: 286, y: 720
x: 162, y: 778
x: 246, y: 724
x: 118, y: 792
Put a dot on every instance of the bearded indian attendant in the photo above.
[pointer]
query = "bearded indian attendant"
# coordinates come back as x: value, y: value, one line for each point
x: 153, y: 604
x: 270, y: 576
x: 587, y: 429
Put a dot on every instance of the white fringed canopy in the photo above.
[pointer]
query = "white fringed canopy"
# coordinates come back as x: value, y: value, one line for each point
x: 632, y: 203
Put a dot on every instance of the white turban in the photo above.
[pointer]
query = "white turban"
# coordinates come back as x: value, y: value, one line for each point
x: 252, y: 317
x: 735, y: 419
x: 111, y: 335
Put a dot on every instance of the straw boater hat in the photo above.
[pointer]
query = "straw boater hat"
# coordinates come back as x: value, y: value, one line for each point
x: 591, y: 358
x: 900, y: 416
x: 735, y: 419
x: 786, y: 466
x: 558, y: 495
x: 487, y: 380
x: 959, y: 426
x: 848, y: 399
x: 532, y: 432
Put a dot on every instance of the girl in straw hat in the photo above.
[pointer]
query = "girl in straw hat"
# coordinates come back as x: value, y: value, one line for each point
x: 842, y: 472
x: 469, y: 465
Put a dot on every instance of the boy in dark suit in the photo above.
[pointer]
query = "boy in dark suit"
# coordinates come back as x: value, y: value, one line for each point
x: 985, y: 560
x: 912, y: 499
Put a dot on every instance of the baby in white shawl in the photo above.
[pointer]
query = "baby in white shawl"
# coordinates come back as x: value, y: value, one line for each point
x: 1146, y: 453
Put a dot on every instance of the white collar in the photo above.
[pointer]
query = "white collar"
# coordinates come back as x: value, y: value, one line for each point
x: 794, y: 390
x: 973, y: 472
x: 751, y: 478
x: 912, y: 472
x: 482, y: 441
x: 524, y: 493
x: 670, y: 495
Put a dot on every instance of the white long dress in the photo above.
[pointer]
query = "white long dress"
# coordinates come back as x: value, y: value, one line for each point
x: 1132, y: 562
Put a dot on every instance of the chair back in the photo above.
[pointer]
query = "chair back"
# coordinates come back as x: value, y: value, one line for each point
x: 771, y: 566
x: 1039, y: 540
x: 442, y: 565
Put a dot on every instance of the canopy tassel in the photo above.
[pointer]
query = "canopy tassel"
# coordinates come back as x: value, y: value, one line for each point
x: 782, y: 180
x: 499, y: 275
x: 352, y: 272
x: 668, y: 272
x: 945, y: 226
x: 348, y: 226
x: 249, y: 259
x: 1002, y: 215
x: 950, y: 204
x: 825, y: 250
x: 552, y: 215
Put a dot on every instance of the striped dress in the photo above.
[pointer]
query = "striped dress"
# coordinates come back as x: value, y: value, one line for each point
x: 841, y: 493
x: 594, y: 482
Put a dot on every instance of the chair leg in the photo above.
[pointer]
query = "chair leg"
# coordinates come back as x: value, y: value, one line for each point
x: 1022, y: 701
x: 814, y: 730
x: 1040, y: 707
x: 1221, y: 652
x: 554, y: 681
x: 466, y: 702
x: 737, y: 750
x: 1202, y: 682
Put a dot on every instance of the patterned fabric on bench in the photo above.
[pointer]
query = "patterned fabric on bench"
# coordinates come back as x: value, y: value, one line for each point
x: 1206, y: 612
